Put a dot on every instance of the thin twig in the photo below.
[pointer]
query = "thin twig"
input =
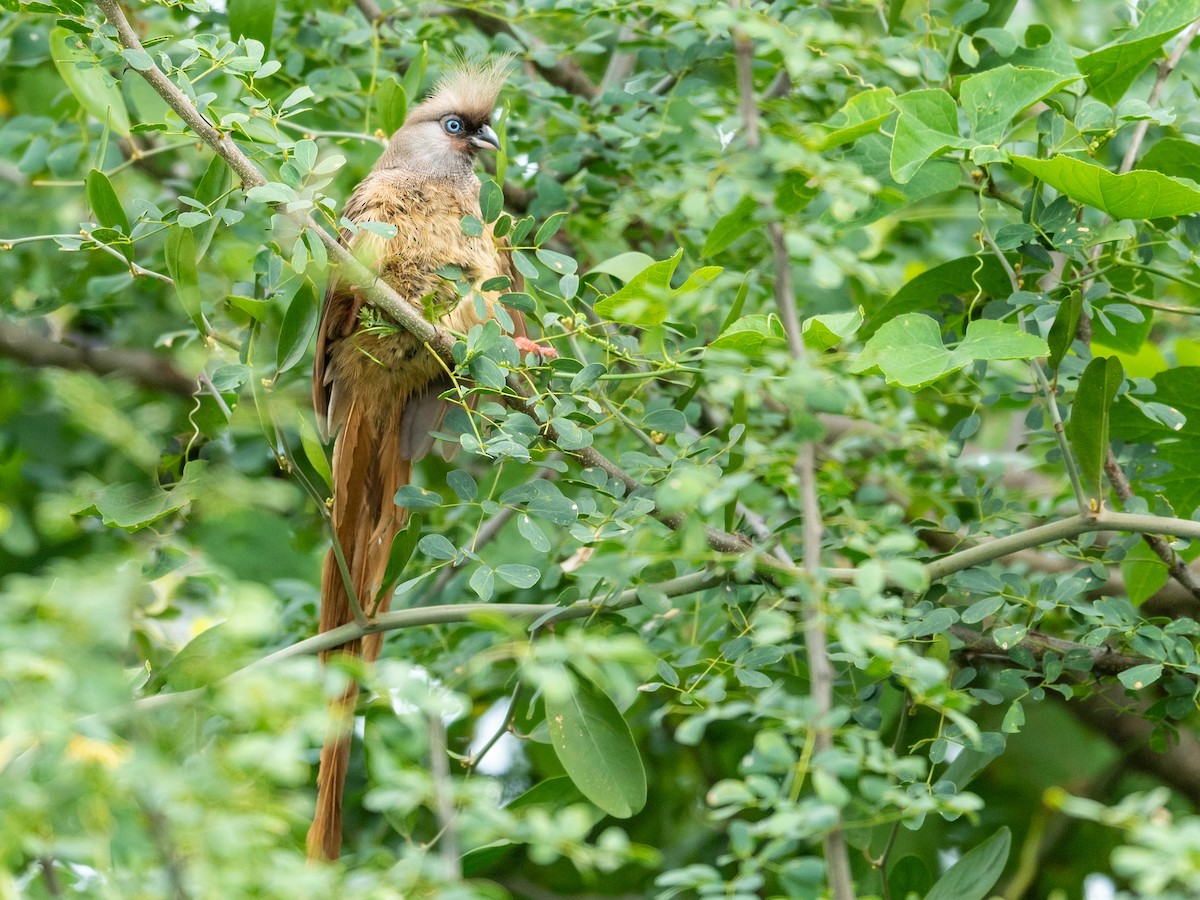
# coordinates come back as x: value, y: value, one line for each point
x: 1047, y: 391
x: 1164, y: 72
x: 443, y: 799
x: 816, y: 642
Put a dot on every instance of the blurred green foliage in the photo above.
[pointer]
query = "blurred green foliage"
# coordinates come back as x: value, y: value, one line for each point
x: 162, y: 487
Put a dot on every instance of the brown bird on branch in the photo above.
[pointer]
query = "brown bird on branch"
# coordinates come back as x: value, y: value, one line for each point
x: 377, y: 388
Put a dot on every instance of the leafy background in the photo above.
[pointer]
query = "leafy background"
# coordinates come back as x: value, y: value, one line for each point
x: 874, y: 254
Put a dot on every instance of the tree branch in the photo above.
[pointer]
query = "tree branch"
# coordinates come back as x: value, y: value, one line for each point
x: 149, y: 370
x: 565, y: 73
x: 1105, y: 661
x: 398, y: 619
x: 1164, y: 72
x: 816, y: 641
x: 1127, y: 722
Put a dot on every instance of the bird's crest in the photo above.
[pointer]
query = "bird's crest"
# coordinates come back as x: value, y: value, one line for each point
x: 469, y: 88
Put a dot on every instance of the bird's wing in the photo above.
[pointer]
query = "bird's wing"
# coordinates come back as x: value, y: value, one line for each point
x: 339, y: 319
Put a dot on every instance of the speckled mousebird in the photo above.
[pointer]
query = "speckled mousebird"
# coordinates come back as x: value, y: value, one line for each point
x: 377, y: 389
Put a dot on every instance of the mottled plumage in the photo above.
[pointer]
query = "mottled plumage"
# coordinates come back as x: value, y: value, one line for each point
x: 378, y: 391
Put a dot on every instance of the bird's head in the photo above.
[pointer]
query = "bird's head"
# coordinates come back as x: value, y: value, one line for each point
x: 442, y: 135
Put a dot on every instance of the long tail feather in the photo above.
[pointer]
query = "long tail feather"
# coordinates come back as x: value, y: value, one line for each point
x: 367, y: 472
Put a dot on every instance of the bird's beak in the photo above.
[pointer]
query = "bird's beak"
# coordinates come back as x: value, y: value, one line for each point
x: 485, y: 137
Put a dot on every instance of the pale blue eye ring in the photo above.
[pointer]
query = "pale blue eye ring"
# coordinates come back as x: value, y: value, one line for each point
x: 453, y: 125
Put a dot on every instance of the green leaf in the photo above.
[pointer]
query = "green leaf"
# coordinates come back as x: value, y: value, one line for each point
x: 95, y: 89
x: 1144, y: 573
x: 414, y: 75
x: 861, y: 115
x: 972, y: 877
x: 1177, y: 447
x: 412, y: 497
x: 483, y: 583
x: 827, y: 331
x: 471, y: 226
x: 731, y: 226
x: 254, y: 19
x: 667, y: 421
x: 314, y: 451
x: 137, y: 59
x: 213, y: 192
x: 491, y: 201
x: 570, y: 435
x: 623, y: 266
x: 1141, y: 676
x: 391, y: 104
x: 181, y: 263
x: 939, y: 289
x: 1139, y: 194
x: 134, y: 506
x: 991, y: 339
x: 205, y: 659
x: 518, y: 575
x: 403, y: 545
x: 532, y: 532
x: 1087, y: 429
x: 645, y: 300
x: 437, y: 546
x: 595, y: 747
x: 549, y: 228
x: 927, y: 127
x: 749, y: 334
x: 106, y: 206
x: 463, y: 485
x: 1111, y: 71
x: 1062, y: 332
x: 908, y: 350
x: 299, y: 326
x: 1177, y: 157
x: 992, y: 99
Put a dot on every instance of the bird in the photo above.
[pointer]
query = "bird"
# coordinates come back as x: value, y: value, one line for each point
x: 377, y: 390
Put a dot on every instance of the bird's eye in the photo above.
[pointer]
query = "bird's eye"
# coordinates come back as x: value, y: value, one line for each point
x: 453, y: 125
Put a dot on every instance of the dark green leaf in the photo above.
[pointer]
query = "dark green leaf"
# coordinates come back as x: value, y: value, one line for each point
x: 106, y: 206
x: 972, y: 877
x: 391, y: 104
x: 462, y: 484
x: 731, y: 226
x: 491, y: 201
x: 549, y: 228
x: 1087, y: 430
x: 403, y: 545
x: 595, y: 746
x: 181, y: 263
x: 299, y: 326
x: 1062, y: 332
x: 254, y: 19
